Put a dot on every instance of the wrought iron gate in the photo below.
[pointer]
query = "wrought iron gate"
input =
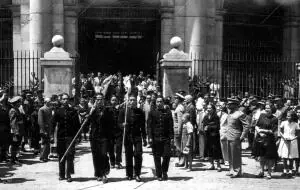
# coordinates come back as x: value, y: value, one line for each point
x: 236, y: 74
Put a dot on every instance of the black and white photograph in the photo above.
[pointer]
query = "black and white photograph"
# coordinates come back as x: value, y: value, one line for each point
x: 149, y: 94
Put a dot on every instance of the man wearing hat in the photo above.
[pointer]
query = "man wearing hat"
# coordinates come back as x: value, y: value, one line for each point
x: 16, y: 126
x: 67, y: 121
x: 177, y: 119
x: 236, y: 128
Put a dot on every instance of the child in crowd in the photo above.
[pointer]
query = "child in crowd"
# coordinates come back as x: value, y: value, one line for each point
x: 187, y: 140
x: 288, y: 147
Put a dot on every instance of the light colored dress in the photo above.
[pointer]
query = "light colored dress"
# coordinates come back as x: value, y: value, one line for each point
x: 288, y: 149
x: 187, y: 129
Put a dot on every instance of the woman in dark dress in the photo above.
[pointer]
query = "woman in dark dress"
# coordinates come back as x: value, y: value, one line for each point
x: 211, y: 124
x: 264, y: 144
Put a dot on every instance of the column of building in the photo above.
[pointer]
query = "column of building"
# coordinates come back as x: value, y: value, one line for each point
x: 291, y: 33
x: 58, y: 17
x: 196, y: 32
x: 71, y: 30
x: 166, y: 28
x: 179, y: 20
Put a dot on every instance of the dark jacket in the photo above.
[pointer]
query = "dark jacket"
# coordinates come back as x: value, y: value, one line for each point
x: 211, y: 124
x: 67, y: 120
x: 160, y: 125
x: 101, y: 122
x: 135, y: 123
x: 115, y: 127
x: 45, y: 119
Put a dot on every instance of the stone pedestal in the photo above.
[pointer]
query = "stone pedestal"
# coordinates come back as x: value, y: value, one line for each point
x: 58, y: 69
x: 175, y: 68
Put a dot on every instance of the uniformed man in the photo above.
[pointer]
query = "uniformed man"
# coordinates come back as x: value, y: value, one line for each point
x: 236, y: 127
x: 115, y: 147
x: 67, y: 121
x: 101, y: 121
x: 134, y: 136
x: 161, y: 132
x: 45, y: 122
x: 16, y: 128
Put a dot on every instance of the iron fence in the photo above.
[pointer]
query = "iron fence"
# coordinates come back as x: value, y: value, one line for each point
x: 19, y: 70
x: 236, y: 74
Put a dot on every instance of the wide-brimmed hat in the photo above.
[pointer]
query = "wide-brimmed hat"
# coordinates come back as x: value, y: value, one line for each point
x: 179, y: 96
x: 15, y: 99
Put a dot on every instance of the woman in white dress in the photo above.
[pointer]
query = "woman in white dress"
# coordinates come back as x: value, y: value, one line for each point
x: 288, y: 147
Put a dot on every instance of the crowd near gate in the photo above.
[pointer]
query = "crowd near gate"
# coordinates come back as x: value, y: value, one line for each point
x: 231, y: 75
x: 236, y: 74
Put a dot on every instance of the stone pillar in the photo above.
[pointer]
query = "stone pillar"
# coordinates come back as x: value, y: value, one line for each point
x: 24, y: 21
x: 40, y: 24
x: 166, y: 28
x: 58, y: 67
x: 58, y: 17
x: 16, y: 14
x: 179, y: 20
x: 175, y: 67
x: 71, y: 30
x: 291, y: 35
x: 196, y: 31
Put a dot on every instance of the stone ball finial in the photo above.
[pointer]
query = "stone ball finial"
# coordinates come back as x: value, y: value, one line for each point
x: 58, y: 41
x: 176, y: 42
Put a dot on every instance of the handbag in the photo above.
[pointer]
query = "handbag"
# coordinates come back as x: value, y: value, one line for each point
x: 186, y: 150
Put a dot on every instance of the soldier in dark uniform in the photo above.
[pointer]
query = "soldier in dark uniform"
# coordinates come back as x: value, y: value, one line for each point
x: 161, y: 132
x: 101, y: 121
x: 67, y: 121
x: 4, y: 126
x: 115, y: 146
x: 135, y: 135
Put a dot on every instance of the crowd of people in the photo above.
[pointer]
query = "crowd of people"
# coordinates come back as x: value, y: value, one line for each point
x: 116, y: 111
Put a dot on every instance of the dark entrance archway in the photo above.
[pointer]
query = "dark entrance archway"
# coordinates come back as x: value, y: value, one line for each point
x: 126, y: 43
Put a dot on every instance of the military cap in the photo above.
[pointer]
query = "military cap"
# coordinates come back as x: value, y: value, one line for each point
x: 261, y: 102
x: 233, y: 100
x: 15, y: 99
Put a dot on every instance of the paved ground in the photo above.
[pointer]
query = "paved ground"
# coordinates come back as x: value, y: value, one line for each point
x: 35, y: 175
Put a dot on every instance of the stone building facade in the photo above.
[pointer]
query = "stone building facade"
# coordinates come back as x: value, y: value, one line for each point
x: 209, y: 28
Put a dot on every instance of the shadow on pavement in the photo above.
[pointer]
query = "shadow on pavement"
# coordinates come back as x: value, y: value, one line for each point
x: 82, y: 150
x: 17, y: 180
x: 148, y: 179
x: 6, y: 170
x: 83, y: 179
